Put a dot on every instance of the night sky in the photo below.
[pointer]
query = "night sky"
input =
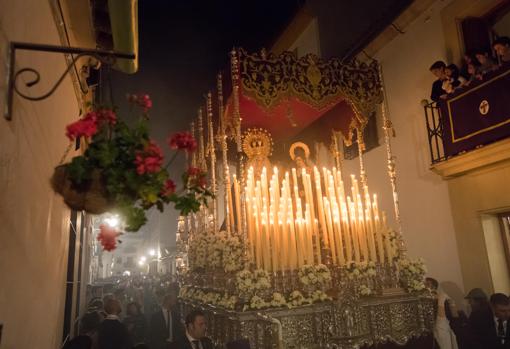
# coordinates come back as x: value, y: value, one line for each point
x: 184, y: 44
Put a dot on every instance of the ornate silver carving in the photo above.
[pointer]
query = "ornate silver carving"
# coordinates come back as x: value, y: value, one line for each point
x: 346, y: 323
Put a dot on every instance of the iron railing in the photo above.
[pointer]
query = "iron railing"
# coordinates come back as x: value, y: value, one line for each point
x: 434, y: 131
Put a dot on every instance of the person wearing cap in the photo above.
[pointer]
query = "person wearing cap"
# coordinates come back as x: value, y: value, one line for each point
x: 478, y: 301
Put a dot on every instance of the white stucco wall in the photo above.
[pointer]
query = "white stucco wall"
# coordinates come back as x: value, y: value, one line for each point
x: 424, y: 201
x: 34, y: 222
x: 308, y: 41
x: 424, y: 198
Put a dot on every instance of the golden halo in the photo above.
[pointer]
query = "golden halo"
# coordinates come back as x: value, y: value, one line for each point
x: 260, y: 136
x: 292, y: 150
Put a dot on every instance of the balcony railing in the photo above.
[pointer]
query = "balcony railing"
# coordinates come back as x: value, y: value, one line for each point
x: 470, y: 118
x: 435, y: 132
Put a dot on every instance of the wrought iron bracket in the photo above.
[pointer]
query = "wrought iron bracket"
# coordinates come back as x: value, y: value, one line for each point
x: 104, y: 56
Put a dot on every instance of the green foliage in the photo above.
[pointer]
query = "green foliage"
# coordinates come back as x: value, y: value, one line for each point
x: 113, y: 150
x: 79, y: 169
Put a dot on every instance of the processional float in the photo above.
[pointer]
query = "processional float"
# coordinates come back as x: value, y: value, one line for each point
x: 290, y: 253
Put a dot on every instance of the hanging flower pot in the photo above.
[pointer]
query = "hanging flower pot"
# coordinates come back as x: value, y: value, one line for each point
x: 122, y: 169
x: 91, y: 197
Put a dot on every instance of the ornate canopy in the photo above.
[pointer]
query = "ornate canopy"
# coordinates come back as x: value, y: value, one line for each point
x: 285, y: 94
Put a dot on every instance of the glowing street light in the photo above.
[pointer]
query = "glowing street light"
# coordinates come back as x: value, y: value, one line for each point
x: 112, y: 221
x: 152, y: 252
x: 143, y: 259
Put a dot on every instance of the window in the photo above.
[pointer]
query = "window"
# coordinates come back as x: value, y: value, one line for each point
x: 505, y: 235
x: 479, y: 32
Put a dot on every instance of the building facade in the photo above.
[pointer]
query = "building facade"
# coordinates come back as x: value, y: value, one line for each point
x: 451, y: 211
x: 46, y: 251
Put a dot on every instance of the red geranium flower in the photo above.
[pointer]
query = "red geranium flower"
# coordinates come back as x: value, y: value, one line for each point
x: 196, y: 177
x: 85, y: 127
x: 150, y: 160
x: 143, y: 100
x: 169, y: 188
x: 183, y: 141
x: 194, y: 171
x: 107, y: 115
x: 108, y: 237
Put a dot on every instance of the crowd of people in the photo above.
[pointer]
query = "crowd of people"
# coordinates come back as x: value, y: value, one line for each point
x: 475, y: 66
x: 143, y: 313
x: 486, y: 327
x: 139, y: 313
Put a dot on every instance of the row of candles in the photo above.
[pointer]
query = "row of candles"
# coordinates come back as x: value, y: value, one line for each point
x: 303, y: 218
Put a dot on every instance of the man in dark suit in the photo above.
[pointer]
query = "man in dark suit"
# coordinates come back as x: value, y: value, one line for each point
x: 438, y: 69
x: 491, y: 329
x: 112, y: 333
x: 196, y: 326
x: 165, y: 325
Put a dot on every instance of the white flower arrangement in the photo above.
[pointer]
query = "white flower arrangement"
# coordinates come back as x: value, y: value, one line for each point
x: 256, y: 302
x: 361, y: 273
x: 296, y: 299
x: 249, y: 283
x: 215, y: 247
x: 233, y: 254
x: 212, y: 298
x: 319, y: 296
x: 315, y: 276
x: 198, y: 295
x: 278, y: 300
x: 391, y: 235
x: 412, y: 274
x: 364, y: 290
x: 360, y: 270
x: 228, y: 302
x: 198, y: 251
x: 216, y: 250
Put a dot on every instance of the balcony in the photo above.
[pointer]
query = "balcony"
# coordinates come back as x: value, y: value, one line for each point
x: 471, y: 128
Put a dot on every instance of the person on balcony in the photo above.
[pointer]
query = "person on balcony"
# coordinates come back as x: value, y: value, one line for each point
x: 453, y: 79
x: 502, y: 47
x: 438, y: 69
x: 473, y: 71
x: 469, y: 58
x: 487, y: 64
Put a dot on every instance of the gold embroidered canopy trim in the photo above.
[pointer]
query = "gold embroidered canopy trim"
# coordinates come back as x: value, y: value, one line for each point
x: 270, y: 79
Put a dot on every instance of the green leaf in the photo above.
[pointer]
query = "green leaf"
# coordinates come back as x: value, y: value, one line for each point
x: 79, y: 170
x: 134, y: 217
